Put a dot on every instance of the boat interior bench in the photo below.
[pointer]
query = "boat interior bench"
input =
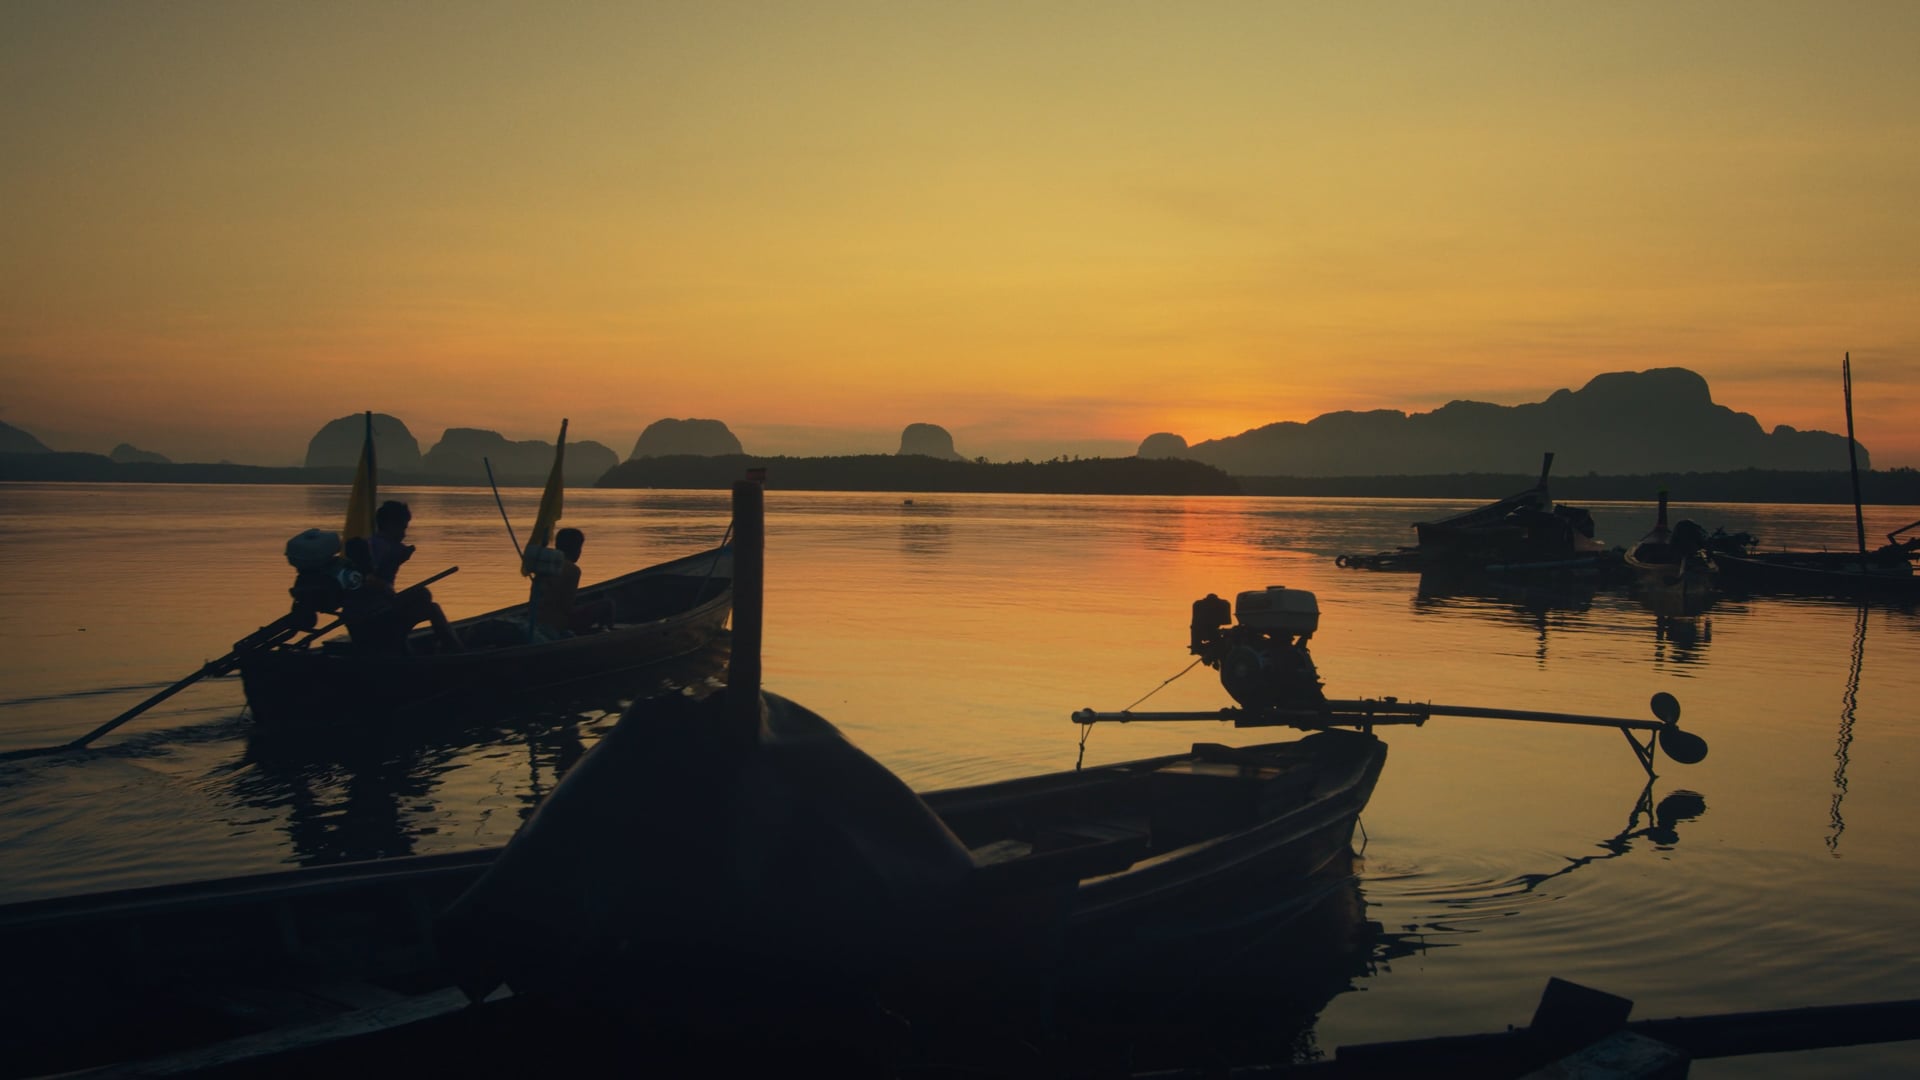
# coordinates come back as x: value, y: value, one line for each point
x: 1103, y: 829
x: 1062, y: 851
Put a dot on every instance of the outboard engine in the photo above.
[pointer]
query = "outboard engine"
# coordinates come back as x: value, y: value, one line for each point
x: 1263, y: 660
x: 1689, y: 538
x: 324, y: 577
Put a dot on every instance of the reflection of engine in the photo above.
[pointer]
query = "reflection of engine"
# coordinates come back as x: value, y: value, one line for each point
x: 1263, y: 661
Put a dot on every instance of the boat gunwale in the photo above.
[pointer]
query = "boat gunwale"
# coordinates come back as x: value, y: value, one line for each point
x: 274, y: 886
x: 287, y: 663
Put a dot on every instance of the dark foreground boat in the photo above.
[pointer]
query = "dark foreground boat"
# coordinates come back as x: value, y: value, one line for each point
x: 659, y: 612
x: 858, y: 883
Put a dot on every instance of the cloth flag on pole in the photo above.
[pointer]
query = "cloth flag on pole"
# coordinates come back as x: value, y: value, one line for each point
x: 361, y: 502
x: 550, y: 506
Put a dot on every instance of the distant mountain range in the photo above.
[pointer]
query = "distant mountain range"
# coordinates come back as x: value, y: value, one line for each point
x: 1622, y: 423
x: 462, y: 455
x: 1660, y: 421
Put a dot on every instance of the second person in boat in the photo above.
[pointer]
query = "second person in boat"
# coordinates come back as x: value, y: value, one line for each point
x: 556, y: 611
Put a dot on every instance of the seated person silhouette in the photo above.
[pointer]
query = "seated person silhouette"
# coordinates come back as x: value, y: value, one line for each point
x: 378, y: 617
x: 556, y: 586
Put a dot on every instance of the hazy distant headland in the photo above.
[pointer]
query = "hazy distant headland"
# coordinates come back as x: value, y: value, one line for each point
x: 129, y: 454
x: 1623, y: 435
x: 1886, y: 487
x: 15, y: 441
x: 1622, y: 423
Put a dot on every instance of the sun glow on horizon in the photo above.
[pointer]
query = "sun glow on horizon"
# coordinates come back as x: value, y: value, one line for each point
x: 825, y: 222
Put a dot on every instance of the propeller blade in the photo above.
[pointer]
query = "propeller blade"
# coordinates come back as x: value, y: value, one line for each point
x: 1667, y: 708
x: 1682, y: 746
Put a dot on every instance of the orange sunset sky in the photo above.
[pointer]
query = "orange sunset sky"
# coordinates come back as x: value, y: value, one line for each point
x: 1050, y: 227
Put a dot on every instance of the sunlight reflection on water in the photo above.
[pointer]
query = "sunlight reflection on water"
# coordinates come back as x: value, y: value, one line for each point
x: 952, y: 638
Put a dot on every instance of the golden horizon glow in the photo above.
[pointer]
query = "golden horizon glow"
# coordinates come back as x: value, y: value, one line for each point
x: 1047, y: 228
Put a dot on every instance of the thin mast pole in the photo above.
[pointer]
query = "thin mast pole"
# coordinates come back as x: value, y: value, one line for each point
x: 1853, y: 458
x: 503, y: 508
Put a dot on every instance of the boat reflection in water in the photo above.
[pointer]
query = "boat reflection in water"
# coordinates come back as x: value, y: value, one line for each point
x: 1532, y: 602
x: 1662, y: 828
x: 1843, y: 745
x: 1439, y: 910
x: 1256, y: 1010
x: 1682, y: 624
x: 1682, y: 627
x: 368, y: 791
x: 1521, y: 599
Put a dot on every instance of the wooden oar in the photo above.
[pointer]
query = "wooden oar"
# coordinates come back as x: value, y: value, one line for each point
x: 264, y: 638
x: 323, y: 631
x: 271, y: 634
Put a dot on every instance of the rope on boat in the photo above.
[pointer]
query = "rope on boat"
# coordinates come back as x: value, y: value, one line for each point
x: 1163, y: 685
x: 1087, y: 729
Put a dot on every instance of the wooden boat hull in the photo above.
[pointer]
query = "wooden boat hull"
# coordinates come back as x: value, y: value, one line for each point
x: 1659, y: 571
x: 1820, y: 574
x: 1217, y: 829
x: 172, y: 970
x: 661, y: 612
x: 1096, y: 862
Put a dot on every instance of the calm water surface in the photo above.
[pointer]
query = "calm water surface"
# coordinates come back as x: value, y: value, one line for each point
x: 951, y: 637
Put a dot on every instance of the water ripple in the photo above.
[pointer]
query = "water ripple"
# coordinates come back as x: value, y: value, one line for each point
x: 88, y: 692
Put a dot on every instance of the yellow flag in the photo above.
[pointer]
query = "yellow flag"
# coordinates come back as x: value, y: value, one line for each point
x: 360, y: 504
x: 550, y: 506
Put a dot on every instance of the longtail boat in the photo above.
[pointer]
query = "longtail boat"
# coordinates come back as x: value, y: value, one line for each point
x: 659, y: 612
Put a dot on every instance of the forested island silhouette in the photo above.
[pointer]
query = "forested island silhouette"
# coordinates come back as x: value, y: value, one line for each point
x: 912, y: 474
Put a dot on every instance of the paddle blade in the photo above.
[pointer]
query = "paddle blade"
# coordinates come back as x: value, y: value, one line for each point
x: 1682, y: 746
x: 1666, y: 708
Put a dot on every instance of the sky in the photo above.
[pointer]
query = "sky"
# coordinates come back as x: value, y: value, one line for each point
x: 1052, y: 227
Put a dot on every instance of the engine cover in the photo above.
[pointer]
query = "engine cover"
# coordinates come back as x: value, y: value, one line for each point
x: 1279, y: 610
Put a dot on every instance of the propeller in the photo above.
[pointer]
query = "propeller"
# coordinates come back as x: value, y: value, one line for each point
x: 1682, y: 746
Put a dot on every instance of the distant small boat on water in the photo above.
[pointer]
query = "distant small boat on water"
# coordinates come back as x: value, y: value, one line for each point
x: 1886, y: 571
x: 1671, y: 558
x: 1524, y: 532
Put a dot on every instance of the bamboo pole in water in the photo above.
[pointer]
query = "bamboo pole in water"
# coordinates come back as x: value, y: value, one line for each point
x: 1853, y: 457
